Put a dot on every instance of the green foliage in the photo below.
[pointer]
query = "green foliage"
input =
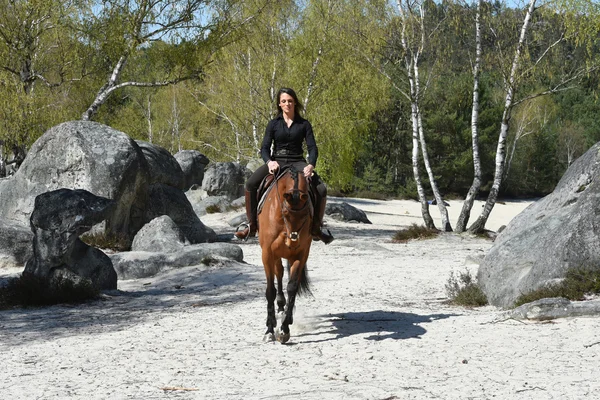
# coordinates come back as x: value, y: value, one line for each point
x: 462, y: 290
x: 29, y: 290
x: 577, y: 283
x: 414, y: 231
x: 344, y: 60
x: 408, y: 191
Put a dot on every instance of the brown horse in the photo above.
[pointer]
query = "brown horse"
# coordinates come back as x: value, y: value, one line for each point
x: 284, y: 225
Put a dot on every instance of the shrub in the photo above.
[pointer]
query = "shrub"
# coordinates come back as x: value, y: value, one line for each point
x: 114, y: 242
x: 30, y: 290
x: 414, y: 232
x: 213, y: 209
x: 577, y: 283
x: 464, y: 291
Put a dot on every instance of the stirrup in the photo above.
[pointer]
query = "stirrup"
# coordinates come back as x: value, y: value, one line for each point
x: 242, y: 227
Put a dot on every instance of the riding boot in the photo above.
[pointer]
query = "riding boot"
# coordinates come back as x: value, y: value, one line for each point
x: 317, y: 231
x: 249, y: 229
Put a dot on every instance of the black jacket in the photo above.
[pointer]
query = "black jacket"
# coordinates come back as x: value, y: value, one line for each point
x: 289, y: 141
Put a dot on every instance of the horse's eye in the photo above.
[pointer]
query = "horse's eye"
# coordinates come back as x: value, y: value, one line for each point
x: 304, y: 197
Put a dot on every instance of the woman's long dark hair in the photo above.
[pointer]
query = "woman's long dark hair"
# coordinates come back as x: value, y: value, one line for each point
x: 298, y: 107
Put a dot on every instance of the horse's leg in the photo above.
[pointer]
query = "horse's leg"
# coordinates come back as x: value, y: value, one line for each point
x: 292, y: 289
x: 269, y: 264
x: 280, y: 295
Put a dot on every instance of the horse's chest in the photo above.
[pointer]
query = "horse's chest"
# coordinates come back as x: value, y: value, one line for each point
x: 285, y: 248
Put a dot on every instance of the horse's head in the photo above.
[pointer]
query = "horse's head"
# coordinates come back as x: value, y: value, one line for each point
x: 295, y: 190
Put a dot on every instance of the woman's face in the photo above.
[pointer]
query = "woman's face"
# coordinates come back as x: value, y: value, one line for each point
x: 286, y: 102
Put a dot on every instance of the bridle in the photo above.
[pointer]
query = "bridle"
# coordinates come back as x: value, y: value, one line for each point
x: 292, y: 236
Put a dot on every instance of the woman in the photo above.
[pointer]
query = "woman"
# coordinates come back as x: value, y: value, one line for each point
x: 288, y: 132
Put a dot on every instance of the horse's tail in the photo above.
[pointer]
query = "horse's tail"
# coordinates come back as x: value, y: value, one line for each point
x: 303, y: 281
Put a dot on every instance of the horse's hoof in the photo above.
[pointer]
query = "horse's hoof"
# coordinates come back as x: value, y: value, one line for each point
x: 269, y: 338
x: 283, y: 337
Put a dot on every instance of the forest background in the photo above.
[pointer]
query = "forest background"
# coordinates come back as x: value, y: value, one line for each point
x: 204, y: 75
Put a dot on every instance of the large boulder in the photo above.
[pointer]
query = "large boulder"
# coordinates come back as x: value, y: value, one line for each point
x: 161, y: 235
x: 549, y: 237
x: 58, y: 219
x: 346, y: 212
x: 81, y: 155
x: 192, y: 163
x: 163, y: 167
x: 225, y: 179
x: 167, y: 200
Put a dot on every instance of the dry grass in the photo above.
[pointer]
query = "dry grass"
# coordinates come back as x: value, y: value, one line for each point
x: 103, y: 241
x: 462, y: 290
x: 577, y: 283
x: 414, y: 232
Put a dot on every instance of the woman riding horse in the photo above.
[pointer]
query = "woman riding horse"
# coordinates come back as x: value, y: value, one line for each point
x: 285, y: 225
x: 288, y: 131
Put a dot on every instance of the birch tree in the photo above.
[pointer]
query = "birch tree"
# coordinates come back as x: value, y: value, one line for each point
x: 413, y: 39
x: 510, y: 88
x: 515, y: 80
x: 123, y: 28
x: 465, y: 213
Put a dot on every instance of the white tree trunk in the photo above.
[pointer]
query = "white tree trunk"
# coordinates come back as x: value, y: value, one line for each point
x: 2, y: 160
x: 479, y: 225
x: 149, y: 119
x: 465, y: 213
x: 415, y: 148
x: 313, y: 75
x: 105, y: 90
x: 175, y: 132
x: 446, y: 227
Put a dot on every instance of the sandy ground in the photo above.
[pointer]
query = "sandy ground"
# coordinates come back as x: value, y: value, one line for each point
x: 377, y: 327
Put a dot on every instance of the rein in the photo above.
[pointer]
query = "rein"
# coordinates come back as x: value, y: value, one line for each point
x: 292, y: 236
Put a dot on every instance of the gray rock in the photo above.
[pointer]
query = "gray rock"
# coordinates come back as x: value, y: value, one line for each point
x: 167, y: 200
x: 58, y: 219
x: 161, y: 235
x: 135, y: 265
x: 552, y: 308
x: 237, y: 220
x: 81, y: 155
x: 240, y: 202
x: 549, y: 237
x: 192, y: 163
x: 195, y: 197
x: 225, y: 179
x: 346, y: 212
x: 214, y: 204
x: 163, y: 167
x: 15, y: 244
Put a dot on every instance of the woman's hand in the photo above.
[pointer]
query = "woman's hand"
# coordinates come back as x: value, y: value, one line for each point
x: 308, y: 170
x: 273, y: 166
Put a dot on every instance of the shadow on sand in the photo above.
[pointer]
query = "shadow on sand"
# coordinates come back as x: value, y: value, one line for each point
x: 376, y: 325
x: 121, y: 309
